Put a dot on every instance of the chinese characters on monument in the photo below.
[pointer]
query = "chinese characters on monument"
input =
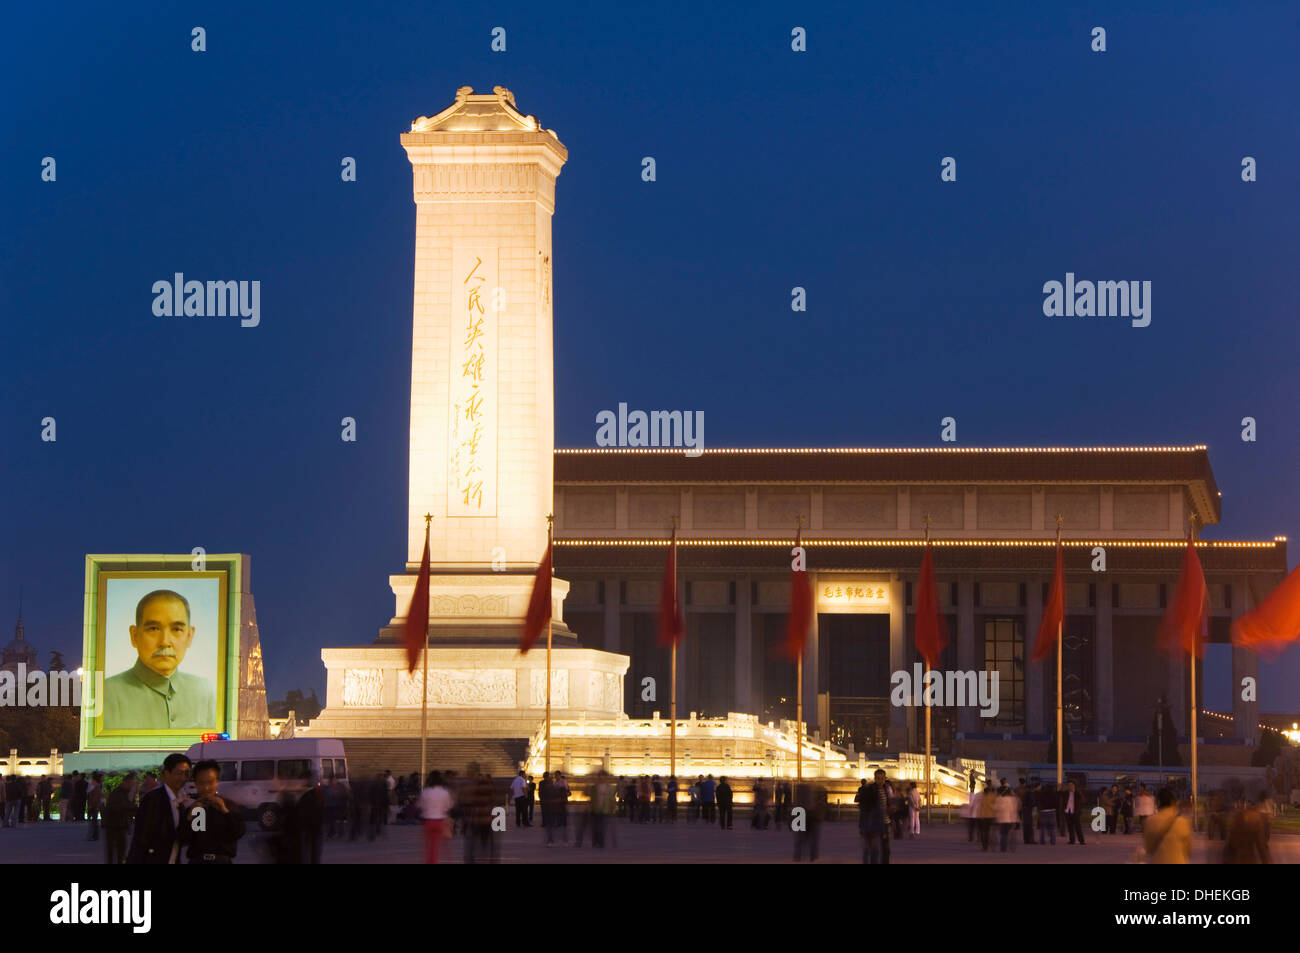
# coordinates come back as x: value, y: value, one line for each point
x: 471, y: 460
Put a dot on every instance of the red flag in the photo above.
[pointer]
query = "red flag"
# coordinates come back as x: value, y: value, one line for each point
x: 1183, y: 627
x: 931, y: 633
x: 539, y: 606
x: 801, y: 605
x: 1053, y: 612
x: 417, y: 616
x: 1275, y: 623
x: 671, y: 623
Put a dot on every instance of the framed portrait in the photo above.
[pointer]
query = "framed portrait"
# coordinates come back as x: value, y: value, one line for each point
x: 161, y: 634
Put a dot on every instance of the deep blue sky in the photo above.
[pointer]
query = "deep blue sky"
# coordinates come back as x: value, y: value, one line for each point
x: 775, y: 169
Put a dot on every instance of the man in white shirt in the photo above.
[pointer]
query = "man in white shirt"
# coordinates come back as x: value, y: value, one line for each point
x: 519, y: 791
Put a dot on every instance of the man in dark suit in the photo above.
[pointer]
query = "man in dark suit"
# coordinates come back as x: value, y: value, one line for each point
x: 1071, y: 807
x: 159, y: 815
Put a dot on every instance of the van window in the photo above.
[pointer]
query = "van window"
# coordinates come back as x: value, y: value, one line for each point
x: 258, y: 771
x: 326, y: 769
x: 229, y: 770
x: 294, y: 770
x: 340, y: 768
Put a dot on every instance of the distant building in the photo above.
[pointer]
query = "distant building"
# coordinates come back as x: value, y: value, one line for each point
x: 18, y: 652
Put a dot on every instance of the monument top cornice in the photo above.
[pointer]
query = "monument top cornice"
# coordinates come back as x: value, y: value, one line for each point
x: 481, y: 112
x: 482, y: 128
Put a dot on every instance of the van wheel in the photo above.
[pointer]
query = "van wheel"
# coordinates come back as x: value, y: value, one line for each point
x: 268, y: 815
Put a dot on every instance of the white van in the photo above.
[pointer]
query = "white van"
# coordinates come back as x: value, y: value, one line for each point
x: 256, y: 774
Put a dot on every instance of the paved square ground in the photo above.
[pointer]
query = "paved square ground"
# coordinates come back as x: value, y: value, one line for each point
x: 681, y: 843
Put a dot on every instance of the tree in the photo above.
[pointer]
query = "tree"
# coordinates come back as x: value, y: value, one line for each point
x: 1269, y: 747
x: 1162, y: 743
x: 1067, y: 748
x: 56, y: 662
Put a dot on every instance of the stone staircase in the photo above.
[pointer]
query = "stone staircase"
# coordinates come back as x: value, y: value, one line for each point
x: 500, y: 757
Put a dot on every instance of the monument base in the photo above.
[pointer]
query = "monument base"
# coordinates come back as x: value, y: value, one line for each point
x: 474, y: 690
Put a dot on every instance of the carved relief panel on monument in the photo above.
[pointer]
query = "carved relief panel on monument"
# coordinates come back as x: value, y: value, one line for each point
x: 450, y: 688
x: 362, y: 687
x: 604, y: 692
x: 559, y: 688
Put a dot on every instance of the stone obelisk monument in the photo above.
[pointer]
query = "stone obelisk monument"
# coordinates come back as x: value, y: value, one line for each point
x: 482, y: 439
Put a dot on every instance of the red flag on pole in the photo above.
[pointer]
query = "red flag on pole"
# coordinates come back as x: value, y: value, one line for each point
x: 539, y: 606
x: 417, y: 616
x: 801, y: 603
x: 1053, y: 612
x: 931, y: 633
x: 1275, y: 623
x: 672, y: 625
x: 1183, y: 627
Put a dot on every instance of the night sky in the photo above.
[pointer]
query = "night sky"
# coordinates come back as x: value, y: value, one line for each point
x: 775, y: 169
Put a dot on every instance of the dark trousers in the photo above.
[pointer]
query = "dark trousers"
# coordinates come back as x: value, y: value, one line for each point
x: 114, y: 845
x: 521, y: 811
x: 1004, y: 829
x: 1110, y: 823
x: 971, y: 824
x: 598, y: 822
x: 45, y: 808
x: 1027, y: 825
x: 986, y: 824
x: 94, y: 826
x: 871, y: 847
x: 1072, y: 826
x: 724, y: 816
x: 806, y: 839
x: 710, y: 812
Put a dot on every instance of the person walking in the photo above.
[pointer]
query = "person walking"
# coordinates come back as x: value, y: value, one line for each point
x: 644, y: 796
x: 708, y: 799
x: 119, y: 811
x: 1111, y: 804
x: 519, y: 793
x: 79, y: 788
x: 1168, y: 835
x: 1026, y: 793
x: 971, y: 811
x: 65, y: 798
x: 1047, y: 805
x: 1126, y: 809
x: 1144, y: 805
x: 988, y: 811
x: 1006, y: 810
x: 1071, y: 810
x: 913, y: 810
x: 562, y: 795
x: 45, y: 793
x: 724, y: 805
x: 693, y: 805
x: 94, y: 804
x: 435, y: 806
x: 1246, y: 842
x: 873, y: 823
x: 531, y: 793
x: 672, y: 800
x: 546, y: 791
x: 602, y: 808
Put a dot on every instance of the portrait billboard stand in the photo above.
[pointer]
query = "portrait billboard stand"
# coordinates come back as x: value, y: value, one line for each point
x: 171, y: 651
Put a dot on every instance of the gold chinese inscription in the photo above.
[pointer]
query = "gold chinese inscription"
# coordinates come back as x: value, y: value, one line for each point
x: 472, y: 445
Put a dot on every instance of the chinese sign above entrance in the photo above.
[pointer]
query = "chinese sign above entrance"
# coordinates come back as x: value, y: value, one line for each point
x: 841, y: 594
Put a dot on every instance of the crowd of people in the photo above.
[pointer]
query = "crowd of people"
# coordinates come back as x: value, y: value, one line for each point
x: 151, y: 813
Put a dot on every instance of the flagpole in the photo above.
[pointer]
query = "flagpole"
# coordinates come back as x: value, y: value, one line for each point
x: 798, y: 678
x: 1060, y: 701
x: 1191, y: 664
x: 929, y: 785
x: 550, y: 522
x: 424, y: 696
x: 672, y: 704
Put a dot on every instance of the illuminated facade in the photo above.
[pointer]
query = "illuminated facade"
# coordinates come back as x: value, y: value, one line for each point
x: 992, y: 518
x: 482, y: 465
